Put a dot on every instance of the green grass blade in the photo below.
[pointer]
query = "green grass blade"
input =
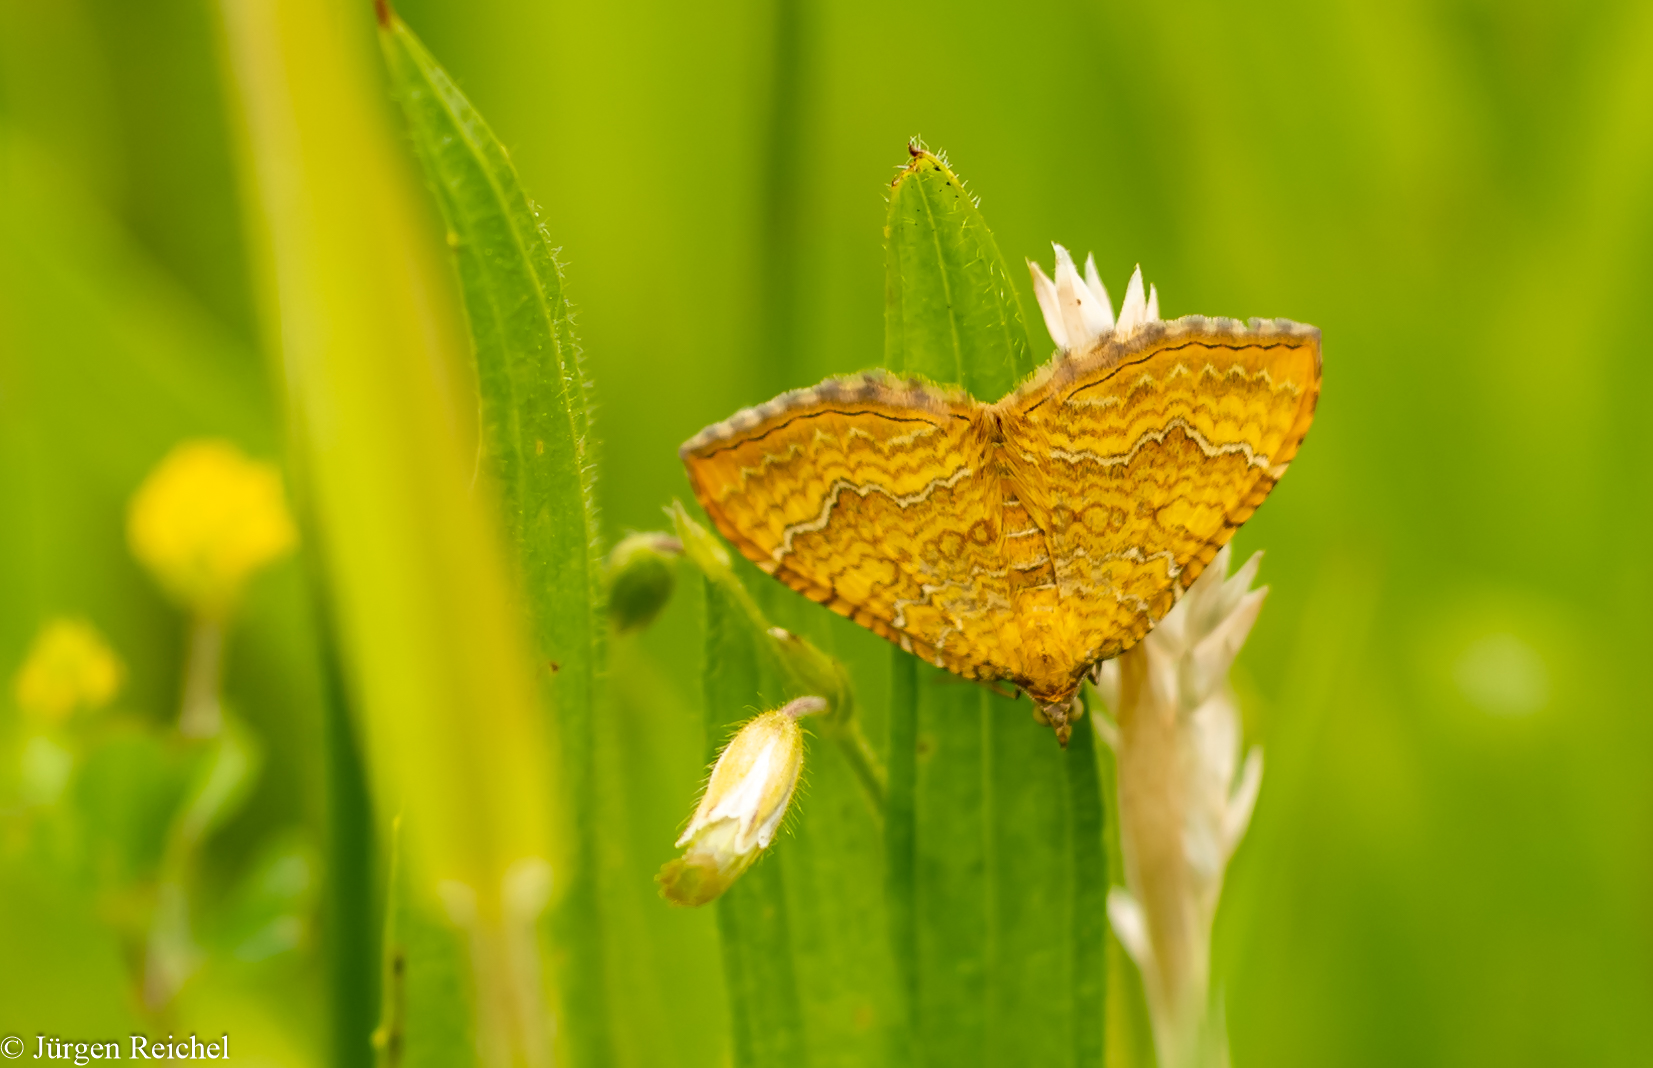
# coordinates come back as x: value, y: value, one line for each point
x: 1128, y: 1040
x: 358, y: 307
x: 1088, y: 892
x: 535, y: 436
x: 752, y: 916
x: 901, y: 847
x: 995, y: 866
x: 834, y: 858
x: 354, y: 945
x: 806, y: 961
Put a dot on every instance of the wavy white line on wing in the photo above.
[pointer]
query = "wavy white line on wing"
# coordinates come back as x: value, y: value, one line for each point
x: 819, y: 522
x: 1253, y: 459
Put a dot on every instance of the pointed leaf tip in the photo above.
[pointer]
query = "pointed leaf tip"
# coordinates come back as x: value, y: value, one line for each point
x: 952, y: 314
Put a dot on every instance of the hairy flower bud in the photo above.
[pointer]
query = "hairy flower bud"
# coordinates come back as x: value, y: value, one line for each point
x: 642, y: 572
x: 750, y: 788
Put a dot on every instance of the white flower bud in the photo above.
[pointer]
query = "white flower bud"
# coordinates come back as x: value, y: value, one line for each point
x: 745, y: 800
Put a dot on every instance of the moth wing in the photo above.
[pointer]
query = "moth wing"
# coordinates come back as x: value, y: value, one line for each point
x: 1143, y: 457
x: 873, y: 496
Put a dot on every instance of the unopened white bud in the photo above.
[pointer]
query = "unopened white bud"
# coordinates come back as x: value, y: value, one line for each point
x: 745, y: 801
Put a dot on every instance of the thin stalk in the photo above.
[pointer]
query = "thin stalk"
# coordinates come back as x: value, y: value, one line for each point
x: 861, y: 756
x: 511, y: 1026
x: 202, y: 712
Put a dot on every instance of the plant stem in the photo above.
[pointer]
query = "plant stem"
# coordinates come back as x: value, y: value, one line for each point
x: 862, y: 757
x: 202, y: 714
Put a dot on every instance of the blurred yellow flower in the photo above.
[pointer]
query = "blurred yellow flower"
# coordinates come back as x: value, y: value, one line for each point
x: 205, y: 519
x: 69, y: 667
x: 751, y: 786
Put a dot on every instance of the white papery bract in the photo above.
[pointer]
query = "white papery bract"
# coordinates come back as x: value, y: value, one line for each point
x: 1185, y: 800
x: 1077, y: 311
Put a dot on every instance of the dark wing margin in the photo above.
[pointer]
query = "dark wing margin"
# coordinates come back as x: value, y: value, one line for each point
x: 810, y: 487
x: 1177, y: 433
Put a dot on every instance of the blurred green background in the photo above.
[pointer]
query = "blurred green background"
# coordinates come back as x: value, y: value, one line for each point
x: 1450, y: 860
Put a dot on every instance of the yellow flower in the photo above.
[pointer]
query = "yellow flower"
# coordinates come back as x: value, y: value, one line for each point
x: 69, y: 666
x: 751, y: 786
x: 205, y: 519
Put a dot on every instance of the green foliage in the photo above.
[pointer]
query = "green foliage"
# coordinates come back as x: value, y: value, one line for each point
x: 106, y: 362
x: 536, y: 442
x: 803, y: 937
x: 753, y: 915
x: 428, y: 619
x: 997, y: 876
x: 951, y: 313
x: 424, y: 980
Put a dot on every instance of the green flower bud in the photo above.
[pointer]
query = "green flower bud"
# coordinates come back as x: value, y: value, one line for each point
x: 642, y: 572
x: 812, y: 669
x: 750, y: 788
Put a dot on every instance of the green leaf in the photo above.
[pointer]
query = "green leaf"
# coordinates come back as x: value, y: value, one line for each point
x: 351, y: 884
x: 798, y: 664
x: 1088, y: 894
x: 1129, y: 1034
x: 358, y: 305
x: 951, y: 313
x: 535, y: 437
x: 997, y: 878
x: 803, y: 933
x: 752, y: 916
x: 423, y: 977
